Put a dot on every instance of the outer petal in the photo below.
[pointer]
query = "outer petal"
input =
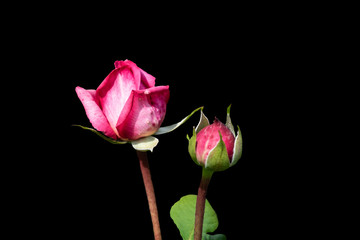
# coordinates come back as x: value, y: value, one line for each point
x: 143, y: 113
x: 115, y: 90
x: 93, y: 112
x: 146, y: 80
x: 119, y: 64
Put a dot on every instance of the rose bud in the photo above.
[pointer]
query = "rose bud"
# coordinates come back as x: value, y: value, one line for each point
x: 215, y: 147
x: 127, y: 105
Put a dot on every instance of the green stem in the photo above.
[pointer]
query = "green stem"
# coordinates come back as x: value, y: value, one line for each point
x: 200, y: 203
x: 149, y: 188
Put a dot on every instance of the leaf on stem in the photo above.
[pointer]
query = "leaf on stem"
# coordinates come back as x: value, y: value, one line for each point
x: 183, y: 215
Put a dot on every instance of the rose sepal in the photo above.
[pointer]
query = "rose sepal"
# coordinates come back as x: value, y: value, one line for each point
x: 203, y: 122
x: 238, y: 146
x: 146, y: 143
x: 170, y: 128
x: 110, y: 140
x: 192, y: 145
x: 228, y: 120
x: 142, y: 144
x: 218, y: 158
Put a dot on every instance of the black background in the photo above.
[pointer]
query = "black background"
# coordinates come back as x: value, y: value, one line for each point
x: 103, y: 190
x: 82, y: 186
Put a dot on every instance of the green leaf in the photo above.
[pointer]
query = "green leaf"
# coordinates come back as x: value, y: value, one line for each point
x: 183, y: 215
x: 172, y: 127
x: 145, y: 144
x: 215, y: 237
x: 110, y: 140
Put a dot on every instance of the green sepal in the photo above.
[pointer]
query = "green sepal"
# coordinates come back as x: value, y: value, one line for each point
x: 172, y: 127
x: 183, y: 215
x: 204, y: 121
x: 145, y: 144
x: 110, y: 140
x: 238, y: 146
x: 192, y: 146
x: 218, y: 158
x: 228, y: 121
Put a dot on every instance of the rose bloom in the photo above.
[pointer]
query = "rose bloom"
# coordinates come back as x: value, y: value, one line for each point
x: 215, y: 147
x: 208, y: 138
x: 127, y: 105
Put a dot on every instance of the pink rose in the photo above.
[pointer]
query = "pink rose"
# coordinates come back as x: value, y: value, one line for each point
x: 215, y: 146
x: 209, y: 137
x: 127, y: 105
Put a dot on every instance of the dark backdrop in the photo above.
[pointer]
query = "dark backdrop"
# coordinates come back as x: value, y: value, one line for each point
x: 83, y: 186
x: 101, y: 183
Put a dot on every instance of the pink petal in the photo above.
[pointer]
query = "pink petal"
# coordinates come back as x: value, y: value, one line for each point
x: 147, y: 80
x: 143, y: 113
x: 93, y: 112
x: 115, y: 90
x: 119, y: 64
x: 209, y: 137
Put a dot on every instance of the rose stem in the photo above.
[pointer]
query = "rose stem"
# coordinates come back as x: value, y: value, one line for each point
x: 200, y: 203
x: 149, y: 188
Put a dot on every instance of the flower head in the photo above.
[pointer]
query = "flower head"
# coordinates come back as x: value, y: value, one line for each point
x: 215, y: 146
x: 127, y: 105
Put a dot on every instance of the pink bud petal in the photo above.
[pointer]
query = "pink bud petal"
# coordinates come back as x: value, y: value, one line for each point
x: 209, y: 137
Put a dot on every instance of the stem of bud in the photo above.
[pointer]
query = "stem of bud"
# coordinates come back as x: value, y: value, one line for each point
x: 149, y: 188
x: 200, y: 203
